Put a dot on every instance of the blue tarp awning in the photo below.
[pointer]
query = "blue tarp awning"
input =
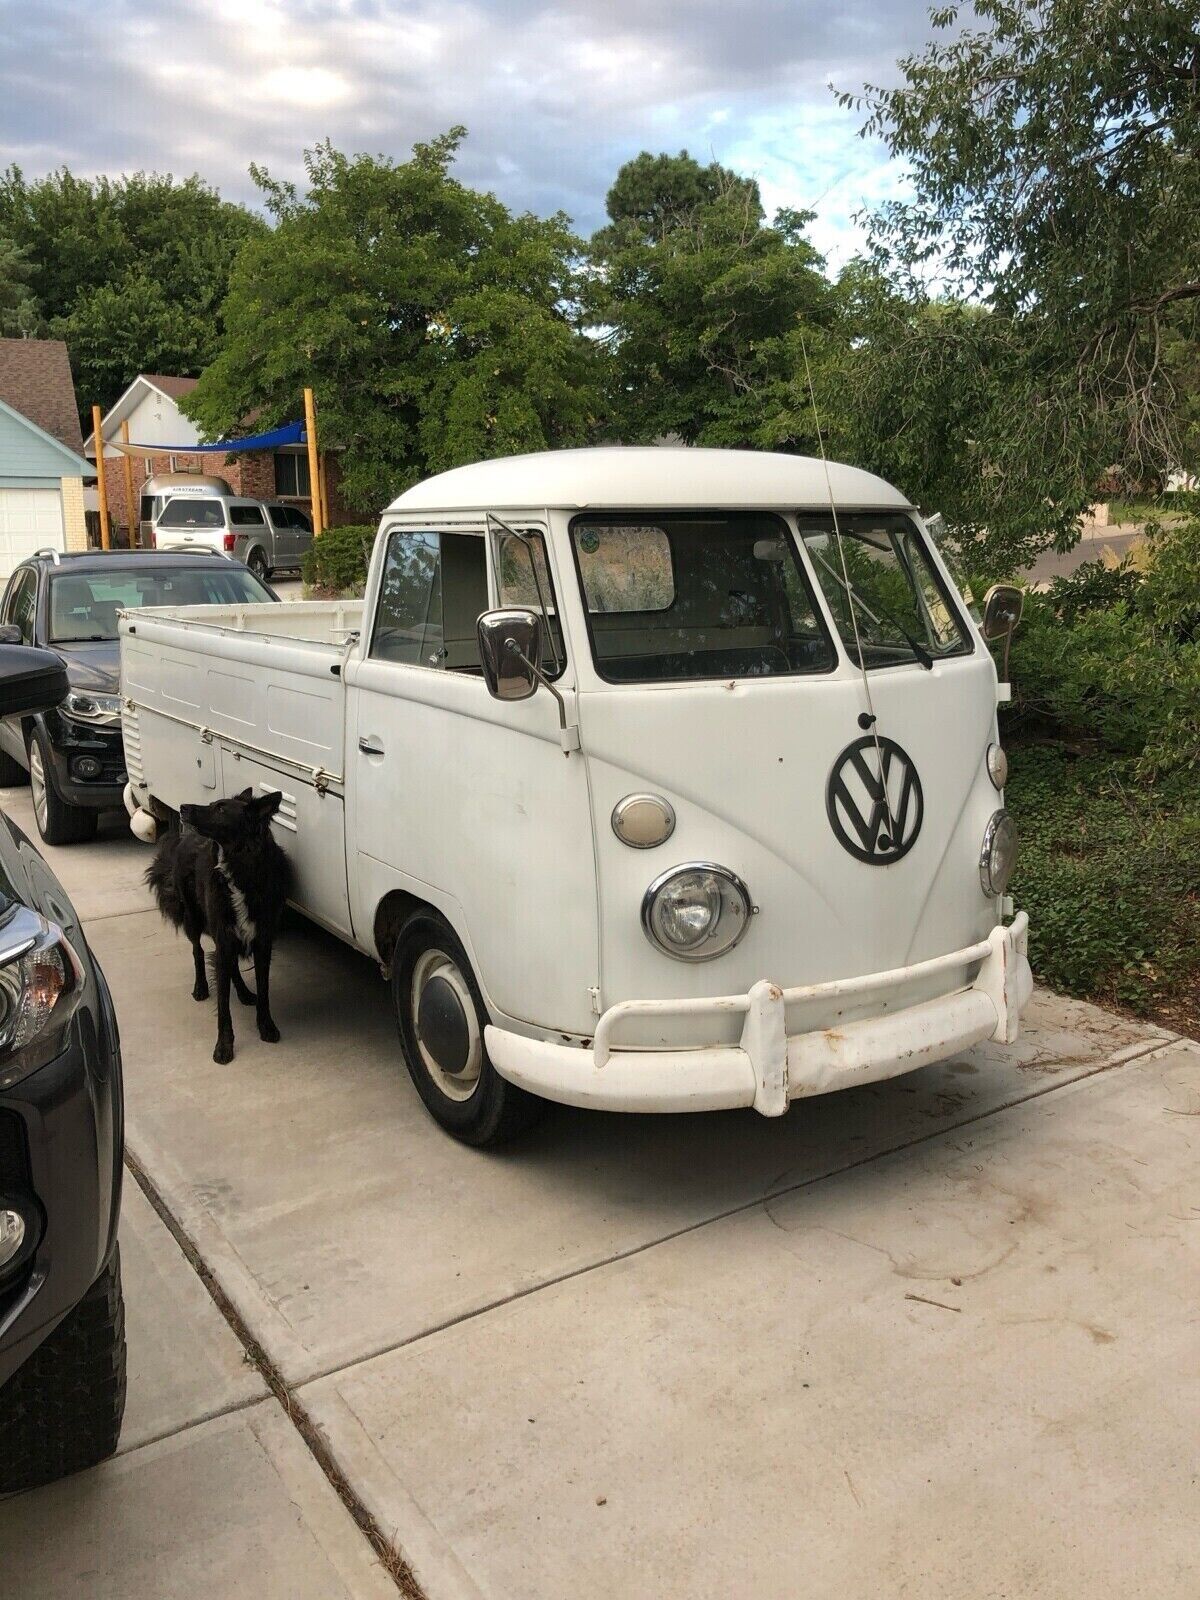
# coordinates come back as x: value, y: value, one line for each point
x: 276, y: 439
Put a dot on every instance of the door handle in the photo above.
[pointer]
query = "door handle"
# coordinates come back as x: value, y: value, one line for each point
x: 370, y: 747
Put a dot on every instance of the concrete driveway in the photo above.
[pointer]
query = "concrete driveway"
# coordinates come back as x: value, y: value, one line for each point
x: 935, y: 1337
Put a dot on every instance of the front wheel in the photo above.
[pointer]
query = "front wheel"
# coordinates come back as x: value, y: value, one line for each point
x: 58, y: 821
x: 440, y: 1017
x: 62, y: 1410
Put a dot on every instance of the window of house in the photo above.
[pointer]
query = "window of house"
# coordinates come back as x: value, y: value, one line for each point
x: 291, y: 475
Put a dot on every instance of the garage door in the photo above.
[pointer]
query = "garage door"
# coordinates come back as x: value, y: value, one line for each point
x: 30, y: 519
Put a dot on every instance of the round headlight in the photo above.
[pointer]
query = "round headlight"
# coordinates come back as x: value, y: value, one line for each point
x: 998, y: 853
x: 997, y: 765
x: 696, y: 912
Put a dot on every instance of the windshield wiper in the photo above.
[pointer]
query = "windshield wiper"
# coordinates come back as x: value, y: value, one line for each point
x: 914, y: 645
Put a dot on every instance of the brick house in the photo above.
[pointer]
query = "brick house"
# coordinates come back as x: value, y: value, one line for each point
x: 42, y: 470
x: 150, y: 408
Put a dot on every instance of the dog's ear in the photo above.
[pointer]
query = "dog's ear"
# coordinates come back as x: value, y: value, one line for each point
x: 246, y: 794
x: 268, y: 804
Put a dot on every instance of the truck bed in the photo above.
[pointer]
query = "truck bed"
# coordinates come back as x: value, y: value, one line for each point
x: 220, y: 698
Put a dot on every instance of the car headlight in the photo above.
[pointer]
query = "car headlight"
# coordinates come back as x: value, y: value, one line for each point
x: 997, y: 766
x: 997, y: 854
x: 696, y: 911
x: 98, y: 709
x: 39, y: 982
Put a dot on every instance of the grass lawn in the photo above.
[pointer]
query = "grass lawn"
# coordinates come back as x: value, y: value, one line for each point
x: 1144, y: 509
x: 1109, y: 872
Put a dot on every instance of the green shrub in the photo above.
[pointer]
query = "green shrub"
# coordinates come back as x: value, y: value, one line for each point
x: 1110, y: 658
x: 1108, y: 870
x: 336, y: 563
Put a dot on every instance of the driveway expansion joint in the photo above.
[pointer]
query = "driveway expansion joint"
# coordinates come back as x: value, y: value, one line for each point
x: 390, y: 1558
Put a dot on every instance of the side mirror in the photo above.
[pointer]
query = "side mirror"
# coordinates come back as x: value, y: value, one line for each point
x: 10, y: 633
x: 30, y: 680
x: 510, y: 648
x: 1002, y: 606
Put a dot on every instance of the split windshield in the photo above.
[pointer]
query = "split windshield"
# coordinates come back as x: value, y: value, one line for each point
x: 671, y: 596
x: 889, y: 596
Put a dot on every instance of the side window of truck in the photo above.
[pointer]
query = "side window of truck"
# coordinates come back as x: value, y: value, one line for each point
x: 433, y: 590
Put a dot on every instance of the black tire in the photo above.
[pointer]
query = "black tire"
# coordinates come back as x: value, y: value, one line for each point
x: 12, y: 773
x: 62, y: 1410
x: 258, y: 565
x: 488, y: 1109
x: 57, y: 820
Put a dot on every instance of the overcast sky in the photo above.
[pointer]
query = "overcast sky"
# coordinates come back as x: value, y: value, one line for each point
x: 554, y: 95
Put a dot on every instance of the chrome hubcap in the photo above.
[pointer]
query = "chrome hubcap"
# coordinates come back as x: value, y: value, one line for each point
x: 445, y: 1025
x: 37, y: 782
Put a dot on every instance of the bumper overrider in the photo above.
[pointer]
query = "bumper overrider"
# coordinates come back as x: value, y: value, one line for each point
x: 768, y: 1067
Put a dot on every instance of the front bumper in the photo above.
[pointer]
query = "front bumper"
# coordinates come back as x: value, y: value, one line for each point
x: 69, y: 741
x: 768, y: 1068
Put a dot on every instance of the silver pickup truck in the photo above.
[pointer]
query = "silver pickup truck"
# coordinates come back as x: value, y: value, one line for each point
x: 267, y: 535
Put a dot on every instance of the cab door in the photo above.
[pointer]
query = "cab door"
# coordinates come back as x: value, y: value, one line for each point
x: 283, y: 536
x: 467, y: 802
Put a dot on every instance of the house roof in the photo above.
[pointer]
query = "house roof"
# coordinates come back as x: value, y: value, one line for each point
x: 36, y: 382
x: 173, y: 388
x: 650, y: 476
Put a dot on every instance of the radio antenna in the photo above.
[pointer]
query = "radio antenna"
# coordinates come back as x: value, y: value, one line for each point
x: 849, y: 592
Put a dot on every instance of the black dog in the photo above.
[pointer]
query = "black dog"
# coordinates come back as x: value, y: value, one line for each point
x: 224, y: 875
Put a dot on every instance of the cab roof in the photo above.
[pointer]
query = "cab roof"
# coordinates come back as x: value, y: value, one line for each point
x: 650, y: 477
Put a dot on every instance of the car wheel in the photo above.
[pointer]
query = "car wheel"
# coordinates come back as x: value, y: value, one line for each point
x: 58, y: 821
x: 62, y: 1410
x: 440, y: 1017
x: 12, y: 773
x: 258, y: 565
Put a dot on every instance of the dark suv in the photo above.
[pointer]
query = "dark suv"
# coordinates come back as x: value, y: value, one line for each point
x: 69, y: 604
x: 62, y: 1320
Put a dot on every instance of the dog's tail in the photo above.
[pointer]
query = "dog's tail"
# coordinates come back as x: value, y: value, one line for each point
x: 161, y: 881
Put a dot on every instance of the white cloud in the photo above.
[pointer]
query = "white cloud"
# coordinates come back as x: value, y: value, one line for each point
x: 555, y: 95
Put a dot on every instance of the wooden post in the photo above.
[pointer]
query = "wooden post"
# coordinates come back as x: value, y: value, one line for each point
x: 314, y: 469
x: 134, y: 518
x: 324, y: 494
x: 98, y: 436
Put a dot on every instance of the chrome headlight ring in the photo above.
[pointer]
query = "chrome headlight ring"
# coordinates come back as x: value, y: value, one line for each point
x: 696, y: 911
x: 997, y: 854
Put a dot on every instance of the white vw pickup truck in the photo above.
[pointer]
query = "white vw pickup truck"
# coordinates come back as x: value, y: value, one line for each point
x: 654, y: 780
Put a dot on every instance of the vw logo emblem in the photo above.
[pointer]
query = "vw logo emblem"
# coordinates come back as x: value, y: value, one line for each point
x: 874, y: 800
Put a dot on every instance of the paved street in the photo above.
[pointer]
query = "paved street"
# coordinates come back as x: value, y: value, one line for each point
x: 933, y: 1337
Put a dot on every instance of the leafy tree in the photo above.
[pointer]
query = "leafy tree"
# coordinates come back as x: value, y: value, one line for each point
x: 699, y: 303
x: 19, y: 314
x: 436, y: 327
x: 130, y: 272
x: 1054, y: 152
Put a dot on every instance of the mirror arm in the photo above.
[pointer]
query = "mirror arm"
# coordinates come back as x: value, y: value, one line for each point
x: 568, y: 733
